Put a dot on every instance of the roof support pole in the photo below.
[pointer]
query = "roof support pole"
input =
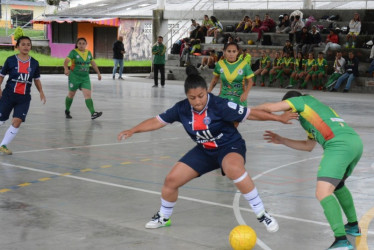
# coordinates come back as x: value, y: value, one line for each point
x: 161, y: 4
x: 307, y: 4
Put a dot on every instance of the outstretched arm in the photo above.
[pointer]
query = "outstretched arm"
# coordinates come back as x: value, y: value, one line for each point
x: 260, y: 115
x: 274, y: 106
x: 304, y: 145
x: 145, y: 126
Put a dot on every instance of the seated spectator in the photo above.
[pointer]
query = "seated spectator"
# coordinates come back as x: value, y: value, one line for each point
x: 216, y: 29
x: 351, y: 72
x: 304, y: 42
x: 267, y: 25
x: 284, y: 25
x: 246, y: 57
x: 371, y: 68
x: 199, y: 33
x: 194, y: 26
x: 338, y: 70
x: 332, y: 42
x: 256, y: 24
x: 354, y: 30
x: 207, y: 23
x: 209, y: 62
x: 288, y: 48
x: 243, y: 24
x: 296, y: 27
x: 315, y: 38
x: 190, y: 49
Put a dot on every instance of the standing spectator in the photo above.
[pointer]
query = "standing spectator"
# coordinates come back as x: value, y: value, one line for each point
x: 118, y: 52
x: 288, y: 48
x: 339, y: 64
x: 284, y: 25
x: 351, y: 72
x: 315, y: 38
x: 304, y: 41
x: 354, y: 30
x: 296, y: 27
x: 79, y: 76
x: 267, y: 25
x: 332, y: 41
x: 158, y: 50
x: 209, y: 62
x: 22, y: 70
x: 215, y: 29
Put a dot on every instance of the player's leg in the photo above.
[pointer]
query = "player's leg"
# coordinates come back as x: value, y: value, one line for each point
x: 89, y: 102
x: 68, y: 102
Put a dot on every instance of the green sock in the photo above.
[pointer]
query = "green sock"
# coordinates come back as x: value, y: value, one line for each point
x: 262, y: 78
x: 345, y: 199
x: 280, y: 73
x: 292, y: 81
x: 271, y: 76
x: 90, y: 106
x: 68, y: 102
x: 254, y: 79
x: 281, y: 78
x: 333, y: 215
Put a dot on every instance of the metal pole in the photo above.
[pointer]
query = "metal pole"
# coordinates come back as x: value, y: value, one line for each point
x: 6, y: 18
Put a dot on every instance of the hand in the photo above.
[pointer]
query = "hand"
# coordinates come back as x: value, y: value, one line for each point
x: 243, y: 97
x: 66, y: 72
x: 124, y: 135
x: 287, y: 116
x: 42, y: 98
x: 271, y: 137
x: 99, y: 76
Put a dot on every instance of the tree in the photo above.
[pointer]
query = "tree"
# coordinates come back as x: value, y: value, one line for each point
x: 18, y: 33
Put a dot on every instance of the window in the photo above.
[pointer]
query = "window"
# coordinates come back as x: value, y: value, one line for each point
x: 64, y: 32
x: 21, y: 18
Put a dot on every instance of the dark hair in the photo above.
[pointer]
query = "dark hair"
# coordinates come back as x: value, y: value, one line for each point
x: 231, y: 43
x: 290, y: 94
x: 22, y: 38
x: 80, y: 38
x: 160, y: 37
x: 193, y: 80
x: 214, y: 19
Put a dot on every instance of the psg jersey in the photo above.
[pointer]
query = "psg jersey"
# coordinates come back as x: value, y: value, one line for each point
x: 20, y: 74
x: 213, y: 126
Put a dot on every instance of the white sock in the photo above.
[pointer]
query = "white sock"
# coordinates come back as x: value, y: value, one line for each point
x: 9, y: 135
x: 166, y: 208
x: 255, y: 202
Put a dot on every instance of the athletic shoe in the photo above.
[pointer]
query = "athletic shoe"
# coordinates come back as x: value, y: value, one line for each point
x: 155, y: 86
x: 96, y: 115
x: 114, y: 77
x: 5, y: 150
x: 201, y: 67
x: 352, y: 230
x: 270, y: 223
x: 345, y: 90
x: 341, y: 244
x: 67, y: 114
x: 262, y: 84
x: 120, y: 78
x: 289, y: 86
x: 158, y: 220
x: 206, y: 67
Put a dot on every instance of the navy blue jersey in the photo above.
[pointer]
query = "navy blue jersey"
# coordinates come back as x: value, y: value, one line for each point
x: 20, y: 74
x: 213, y: 126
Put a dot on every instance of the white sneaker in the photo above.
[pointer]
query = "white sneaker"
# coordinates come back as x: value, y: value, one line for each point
x: 206, y: 67
x: 158, y: 220
x: 201, y: 67
x: 270, y: 223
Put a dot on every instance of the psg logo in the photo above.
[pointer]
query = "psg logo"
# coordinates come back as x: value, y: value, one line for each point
x: 29, y: 69
x: 207, y: 120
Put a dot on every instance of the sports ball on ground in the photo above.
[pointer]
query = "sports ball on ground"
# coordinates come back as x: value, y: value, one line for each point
x: 242, y: 237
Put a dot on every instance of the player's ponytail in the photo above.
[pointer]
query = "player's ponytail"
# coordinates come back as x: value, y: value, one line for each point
x: 193, y: 80
x: 290, y: 94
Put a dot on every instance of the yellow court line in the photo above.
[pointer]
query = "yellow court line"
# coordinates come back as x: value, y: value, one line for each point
x: 24, y: 184
x: 4, y: 190
x: 44, y: 179
x: 86, y: 170
x: 164, y: 157
x: 65, y: 174
x: 106, y: 166
x: 361, y: 242
x: 126, y: 162
x: 146, y: 160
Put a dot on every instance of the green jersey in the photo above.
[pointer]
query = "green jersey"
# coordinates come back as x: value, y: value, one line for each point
x: 320, y: 122
x: 287, y: 62
x: 247, y: 58
x: 80, y: 62
x: 310, y: 63
x: 321, y: 64
x: 158, y: 50
x: 299, y: 64
x: 264, y: 62
x: 232, y: 76
x: 277, y: 62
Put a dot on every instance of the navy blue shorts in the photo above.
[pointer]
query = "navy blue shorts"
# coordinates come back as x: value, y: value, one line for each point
x: 20, y: 105
x: 204, y: 161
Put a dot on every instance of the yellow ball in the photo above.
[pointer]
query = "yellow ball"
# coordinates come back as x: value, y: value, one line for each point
x: 242, y: 237
x: 250, y: 42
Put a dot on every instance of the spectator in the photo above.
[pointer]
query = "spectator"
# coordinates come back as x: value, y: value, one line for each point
x: 296, y: 27
x: 310, y: 64
x: 321, y: 71
x: 118, y: 52
x: 339, y: 64
x: 304, y: 41
x: 284, y: 25
x: 190, y: 49
x: 265, y: 64
x: 215, y: 29
x: 371, y: 68
x: 199, y: 33
x: 288, y: 48
x: 298, y: 72
x: 194, y: 26
x: 287, y: 68
x: 332, y: 41
x: 351, y: 72
x: 209, y: 62
x: 158, y: 51
x: 207, y: 23
x: 354, y: 30
x: 243, y: 24
x: 277, y: 67
x: 256, y: 24
x: 315, y: 38
x: 267, y: 25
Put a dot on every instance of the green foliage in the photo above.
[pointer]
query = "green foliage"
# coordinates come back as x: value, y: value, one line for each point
x: 18, y: 33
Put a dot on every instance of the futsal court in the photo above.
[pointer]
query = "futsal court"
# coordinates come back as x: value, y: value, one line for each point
x: 71, y: 185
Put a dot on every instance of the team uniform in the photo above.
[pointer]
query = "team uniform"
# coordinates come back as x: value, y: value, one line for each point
x: 79, y: 76
x: 309, y: 64
x: 233, y: 76
x: 264, y: 63
x: 287, y: 63
x: 276, y: 63
x: 299, y: 65
x: 342, y: 145
x: 321, y: 66
x: 16, y: 95
x: 212, y: 129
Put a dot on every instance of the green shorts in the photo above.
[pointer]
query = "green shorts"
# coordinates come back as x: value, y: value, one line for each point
x: 340, y: 156
x: 320, y: 71
x: 79, y: 82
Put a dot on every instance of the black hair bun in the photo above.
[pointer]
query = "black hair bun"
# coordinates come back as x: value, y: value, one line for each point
x: 191, y: 70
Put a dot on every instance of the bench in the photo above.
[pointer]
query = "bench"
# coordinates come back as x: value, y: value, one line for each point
x: 6, y: 41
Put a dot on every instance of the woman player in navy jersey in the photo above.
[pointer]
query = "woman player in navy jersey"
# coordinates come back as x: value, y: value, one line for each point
x: 208, y: 120
x: 22, y: 69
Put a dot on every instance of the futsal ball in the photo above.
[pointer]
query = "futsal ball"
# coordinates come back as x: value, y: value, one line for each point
x: 250, y: 42
x: 242, y: 237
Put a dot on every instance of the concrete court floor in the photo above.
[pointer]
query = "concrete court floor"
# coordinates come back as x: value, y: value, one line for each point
x: 71, y: 185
